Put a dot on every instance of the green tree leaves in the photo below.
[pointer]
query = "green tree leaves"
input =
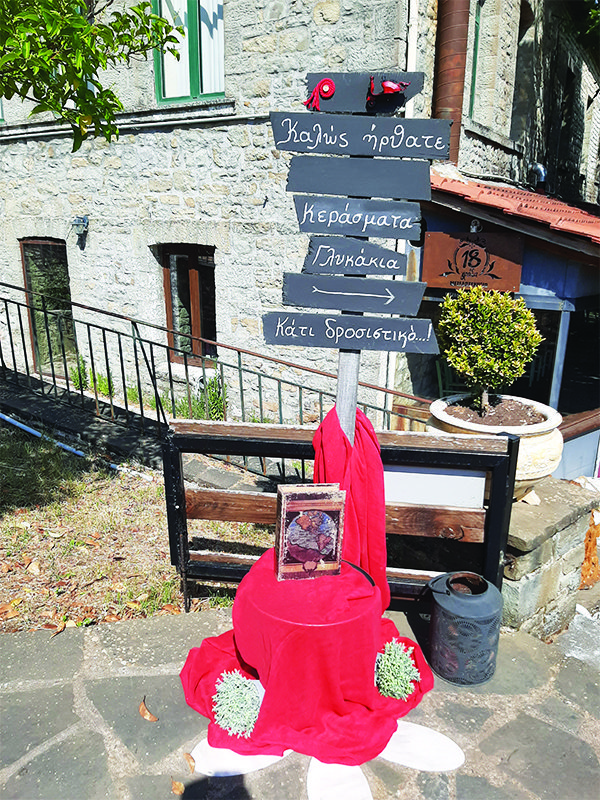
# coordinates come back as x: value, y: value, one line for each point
x: 487, y: 337
x: 54, y: 53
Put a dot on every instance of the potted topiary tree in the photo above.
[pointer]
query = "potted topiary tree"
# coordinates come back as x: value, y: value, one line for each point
x: 489, y: 338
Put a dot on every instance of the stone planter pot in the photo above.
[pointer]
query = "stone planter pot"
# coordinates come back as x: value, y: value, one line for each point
x: 540, y: 445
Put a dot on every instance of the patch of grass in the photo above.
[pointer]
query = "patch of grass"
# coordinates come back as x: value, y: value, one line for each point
x: 104, y: 383
x: 78, y: 375
x: 36, y: 472
x: 133, y: 396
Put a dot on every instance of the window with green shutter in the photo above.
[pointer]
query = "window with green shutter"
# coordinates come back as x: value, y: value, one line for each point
x: 199, y: 71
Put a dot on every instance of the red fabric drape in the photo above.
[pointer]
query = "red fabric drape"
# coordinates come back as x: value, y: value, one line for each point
x: 358, y: 470
x: 313, y: 644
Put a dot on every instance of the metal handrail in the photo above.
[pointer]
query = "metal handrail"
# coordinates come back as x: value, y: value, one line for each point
x: 129, y: 375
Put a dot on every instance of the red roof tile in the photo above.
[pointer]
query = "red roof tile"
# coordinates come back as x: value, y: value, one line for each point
x: 522, y: 203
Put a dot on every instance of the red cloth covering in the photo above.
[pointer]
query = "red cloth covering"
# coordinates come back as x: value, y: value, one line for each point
x: 358, y: 470
x: 313, y: 644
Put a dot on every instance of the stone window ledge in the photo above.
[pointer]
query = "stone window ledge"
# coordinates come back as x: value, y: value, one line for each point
x: 164, y: 117
x: 480, y: 131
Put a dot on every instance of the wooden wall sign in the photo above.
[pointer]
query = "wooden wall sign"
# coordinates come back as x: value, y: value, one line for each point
x: 344, y: 134
x: 350, y: 332
x: 459, y: 260
x: 352, y: 294
x: 334, y: 255
x: 354, y: 217
x: 361, y: 177
x: 351, y: 95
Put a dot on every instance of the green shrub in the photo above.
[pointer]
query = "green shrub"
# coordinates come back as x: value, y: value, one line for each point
x: 133, y: 396
x: 488, y: 338
x: 78, y: 375
x: 395, y: 672
x: 217, y: 398
x: 236, y: 703
x: 104, y: 384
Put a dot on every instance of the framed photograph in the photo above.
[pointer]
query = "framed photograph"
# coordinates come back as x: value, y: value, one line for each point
x: 310, y: 526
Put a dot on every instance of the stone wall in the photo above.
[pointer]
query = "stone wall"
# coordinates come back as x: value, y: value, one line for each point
x: 545, y: 554
x: 204, y: 173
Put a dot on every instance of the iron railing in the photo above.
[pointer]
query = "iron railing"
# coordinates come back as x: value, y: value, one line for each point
x: 127, y: 371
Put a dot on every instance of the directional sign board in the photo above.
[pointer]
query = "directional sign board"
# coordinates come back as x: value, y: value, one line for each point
x: 352, y: 294
x: 350, y: 332
x: 343, y: 134
x: 335, y: 255
x: 361, y: 177
x: 353, y: 217
x: 350, y: 96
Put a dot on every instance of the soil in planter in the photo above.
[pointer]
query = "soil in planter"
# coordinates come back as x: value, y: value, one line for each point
x: 502, y: 412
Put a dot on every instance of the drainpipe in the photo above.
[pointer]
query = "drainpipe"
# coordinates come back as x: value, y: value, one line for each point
x: 450, y: 63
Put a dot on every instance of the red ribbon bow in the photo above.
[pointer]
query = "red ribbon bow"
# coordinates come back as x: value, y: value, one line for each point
x: 325, y: 88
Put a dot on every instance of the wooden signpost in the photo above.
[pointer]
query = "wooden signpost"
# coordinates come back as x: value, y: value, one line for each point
x: 356, y: 175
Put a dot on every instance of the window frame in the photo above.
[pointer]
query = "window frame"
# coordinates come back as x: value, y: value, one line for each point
x: 199, y: 352
x: 193, y: 39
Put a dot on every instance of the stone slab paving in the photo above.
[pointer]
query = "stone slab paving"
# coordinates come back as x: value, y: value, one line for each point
x: 70, y: 727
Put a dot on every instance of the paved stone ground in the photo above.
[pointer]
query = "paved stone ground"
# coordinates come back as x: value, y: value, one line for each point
x: 70, y: 727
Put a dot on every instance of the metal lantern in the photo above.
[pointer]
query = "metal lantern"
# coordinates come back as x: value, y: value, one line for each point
x: 465, y: 627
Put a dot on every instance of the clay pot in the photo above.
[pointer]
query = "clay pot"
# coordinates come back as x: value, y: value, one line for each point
x: 540, y: 444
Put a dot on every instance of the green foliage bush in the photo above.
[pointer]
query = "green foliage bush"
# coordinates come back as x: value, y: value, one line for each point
x: 236, y: 703
x: 488, y: 338
x: 104, y: 383
x: 78, y: 375
x: 395, y: 672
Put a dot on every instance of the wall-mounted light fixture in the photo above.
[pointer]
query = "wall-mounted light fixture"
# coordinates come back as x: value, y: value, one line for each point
x: 80, y: 226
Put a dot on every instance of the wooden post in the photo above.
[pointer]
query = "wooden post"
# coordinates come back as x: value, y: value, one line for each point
x: 347, y: 390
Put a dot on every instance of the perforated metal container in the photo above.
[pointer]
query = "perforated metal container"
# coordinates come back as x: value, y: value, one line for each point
x: 465, y: 627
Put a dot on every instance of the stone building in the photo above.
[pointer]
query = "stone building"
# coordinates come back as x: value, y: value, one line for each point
x: 189, y: 222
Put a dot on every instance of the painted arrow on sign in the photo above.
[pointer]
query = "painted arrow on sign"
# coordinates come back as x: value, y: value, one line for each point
x: 350, y: 332
x: 352, y: 294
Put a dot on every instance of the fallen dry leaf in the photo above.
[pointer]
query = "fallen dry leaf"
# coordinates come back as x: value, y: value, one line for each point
x: 177, y: 787
x: 5, y: 567
x: 7, y: 611
x: 59, y: 628
x: 147, y: 715
x: 34, y: 568
x: 55, y: 534
x: 111, y: 618
x: 190, y: 762
x: 133, y: 604
x: 26, y: 561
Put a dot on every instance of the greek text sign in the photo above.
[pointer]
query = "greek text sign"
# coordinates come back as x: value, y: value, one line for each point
x: 459, y: 260
x: 343, y: 134
x: 352, y: 294
x: 360, y: 177
x: 350, y: 332
x: 333, y: 255
x: 353, y: 217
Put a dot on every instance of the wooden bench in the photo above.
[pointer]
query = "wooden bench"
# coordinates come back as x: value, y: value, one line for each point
x: 488, y: 525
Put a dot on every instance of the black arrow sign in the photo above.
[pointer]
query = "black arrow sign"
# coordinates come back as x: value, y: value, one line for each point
x: 344, y: 134
x: 352, y: 294
x: 350, y: 332
x: 334, y: 255
x: 360, y: 177
x: 355, y: 217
